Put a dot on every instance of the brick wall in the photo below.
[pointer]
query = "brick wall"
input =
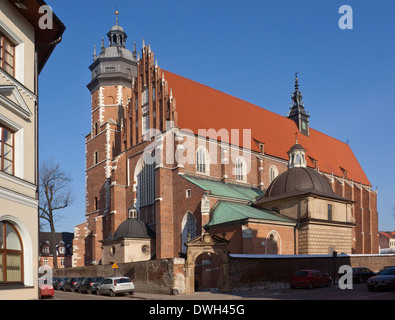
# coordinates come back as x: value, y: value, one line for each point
x: 155, y: 276
x: 254, y: 272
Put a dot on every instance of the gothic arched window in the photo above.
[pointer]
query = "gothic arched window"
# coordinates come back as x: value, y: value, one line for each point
x: 241, y: 169
x: 188, y: 229
x: 273, y: 173
x: 145, y: 178
x: 202, y: 165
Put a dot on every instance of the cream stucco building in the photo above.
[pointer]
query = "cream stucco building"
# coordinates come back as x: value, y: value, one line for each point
x: 324, y: 221
x: 25, y: 47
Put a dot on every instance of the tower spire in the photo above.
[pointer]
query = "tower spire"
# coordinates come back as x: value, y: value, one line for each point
x: 297, y: 112
x: 116, y: 16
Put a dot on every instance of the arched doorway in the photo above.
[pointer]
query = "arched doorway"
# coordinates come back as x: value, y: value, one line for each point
x: 207, y: 272
x: 203, y: 246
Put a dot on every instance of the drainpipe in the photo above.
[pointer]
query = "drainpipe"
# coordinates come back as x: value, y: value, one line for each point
x: 296, y: 240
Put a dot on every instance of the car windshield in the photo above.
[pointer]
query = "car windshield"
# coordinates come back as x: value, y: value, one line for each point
x: 301, y: 273
x: 387, y: 272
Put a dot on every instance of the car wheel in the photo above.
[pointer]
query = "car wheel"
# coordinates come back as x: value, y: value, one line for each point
x: 98, y: 292
x: 112, y: 293
x: 311, y: 285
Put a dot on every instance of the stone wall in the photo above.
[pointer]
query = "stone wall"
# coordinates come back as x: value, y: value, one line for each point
x: 247, y: 272
x: 156, y: 276
x: 259, y: 271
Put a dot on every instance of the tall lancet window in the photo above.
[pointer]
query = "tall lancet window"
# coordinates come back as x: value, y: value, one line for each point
x: 202, y: 160
x: 188, y: 229
x: 240, y: 169
x: 145, y: 178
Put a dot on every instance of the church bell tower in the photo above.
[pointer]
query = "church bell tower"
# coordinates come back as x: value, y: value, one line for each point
x: 112, y: 74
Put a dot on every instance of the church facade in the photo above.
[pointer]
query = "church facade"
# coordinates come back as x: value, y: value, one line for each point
x: 185, y: 159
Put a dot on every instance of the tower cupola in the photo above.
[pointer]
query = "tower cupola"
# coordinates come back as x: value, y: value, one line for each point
x: 117, y: 36
x: 297, y: 156
x: 115, y: 64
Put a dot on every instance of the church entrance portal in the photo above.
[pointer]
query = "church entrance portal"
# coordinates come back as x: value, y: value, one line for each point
x: 207, y: 265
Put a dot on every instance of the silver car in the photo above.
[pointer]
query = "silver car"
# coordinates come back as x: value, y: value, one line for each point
x: 115, y: 285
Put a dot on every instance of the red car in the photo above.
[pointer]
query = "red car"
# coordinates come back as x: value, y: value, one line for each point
x: 310, y: 278
x: 46, y: 290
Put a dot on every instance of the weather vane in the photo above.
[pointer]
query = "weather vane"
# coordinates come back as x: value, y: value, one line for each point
x: 116, y: 15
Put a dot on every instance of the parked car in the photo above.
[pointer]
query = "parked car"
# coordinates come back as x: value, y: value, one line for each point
x: 56, y: 283
x: 115, y: 285
x: 89, y: 284
x: 310, y: 278
x: 360, y: 274
x: 46, y: 289
x: 60, y: 283
x: 384, y: 280
x: 387, y: 267
x: 72, y: 284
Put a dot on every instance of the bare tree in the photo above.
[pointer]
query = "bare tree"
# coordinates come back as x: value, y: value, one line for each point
x: 55, y: 195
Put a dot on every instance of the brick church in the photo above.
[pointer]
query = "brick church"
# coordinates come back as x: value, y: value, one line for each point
x: 168, y: 159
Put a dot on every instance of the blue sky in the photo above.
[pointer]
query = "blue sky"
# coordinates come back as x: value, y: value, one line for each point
x: 249, y: 49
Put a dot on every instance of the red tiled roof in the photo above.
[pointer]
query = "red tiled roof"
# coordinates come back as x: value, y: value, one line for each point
x: 202, y: 107
x: 388, y: 234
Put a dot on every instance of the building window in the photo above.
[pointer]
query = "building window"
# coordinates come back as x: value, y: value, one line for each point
x: 62, y: 262
x: 153, y: 94
x: 45, y: 249
x: 240, y: 169
x: 62, y: 250
x: 96, y: 157
x: 145, y: 124
x: 145, y: 96
x: 133, y: 212
x: 11, y: 254
x: 273, y: 173
x: 96, y: 129
x: 202, y: 160
x: 45, y: 261
x: 7, y: 55
x: 188, y: 193
x: 96, y: 204
x: 6, y: 150
x: 188, y: 229
x: 330, y: 212
x: 145, y: 177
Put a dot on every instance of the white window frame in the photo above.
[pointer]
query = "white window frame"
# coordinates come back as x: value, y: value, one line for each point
x: 18, y: 145
x: 19, y: 66
x: 273, y: 173
x: 240, y: 169
x: 202, y: 161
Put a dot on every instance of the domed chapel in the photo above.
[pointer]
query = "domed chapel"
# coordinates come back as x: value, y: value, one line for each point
x: 285, y: 189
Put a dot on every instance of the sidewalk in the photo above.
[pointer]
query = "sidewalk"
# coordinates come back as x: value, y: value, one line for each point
x: 207, y: 295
